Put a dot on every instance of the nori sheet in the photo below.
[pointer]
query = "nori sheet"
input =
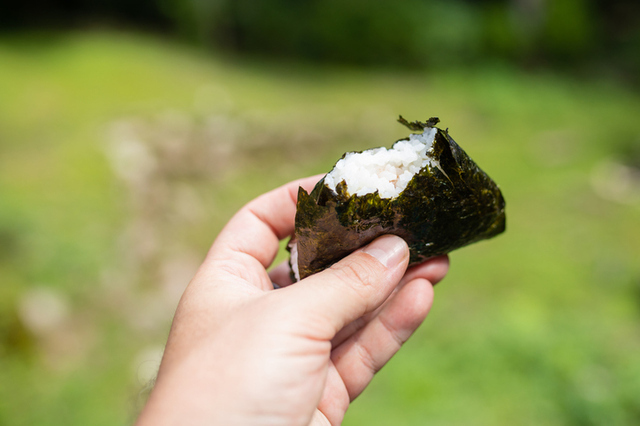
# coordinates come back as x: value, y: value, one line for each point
x: 442, y: 209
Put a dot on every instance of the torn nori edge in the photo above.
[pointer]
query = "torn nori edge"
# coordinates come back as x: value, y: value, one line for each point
x: 440, y: 210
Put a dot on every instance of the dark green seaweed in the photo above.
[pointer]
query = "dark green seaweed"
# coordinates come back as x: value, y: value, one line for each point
x: 440, y: 210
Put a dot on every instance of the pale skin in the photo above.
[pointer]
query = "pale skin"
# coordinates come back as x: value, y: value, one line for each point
x: 241, y: 353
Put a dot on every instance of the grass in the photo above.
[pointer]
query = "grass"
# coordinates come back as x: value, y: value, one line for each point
x: 537, y: 326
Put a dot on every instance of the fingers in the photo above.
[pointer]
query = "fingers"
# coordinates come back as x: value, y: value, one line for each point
x: 281, y: 274
x: 255, y: 230
x: 335, y: 399
x: 351, y: 288
x: 432, y: 270
x: 366, y: 352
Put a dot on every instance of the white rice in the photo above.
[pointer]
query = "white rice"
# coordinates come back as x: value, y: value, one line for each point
x: 387, y: 171
x: 294, y: 260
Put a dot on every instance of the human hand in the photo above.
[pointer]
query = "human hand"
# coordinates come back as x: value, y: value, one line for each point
x: 242, y: 353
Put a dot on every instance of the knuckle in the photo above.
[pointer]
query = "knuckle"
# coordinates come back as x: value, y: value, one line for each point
x: 359, y: 272
x: 367, y: 359
x: 394, y: 334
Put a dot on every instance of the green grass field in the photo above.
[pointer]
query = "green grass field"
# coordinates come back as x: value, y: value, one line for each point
x: 122, y: 156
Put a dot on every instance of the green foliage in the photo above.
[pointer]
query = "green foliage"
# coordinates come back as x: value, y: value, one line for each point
x: 121, y: 157
x: 415, y: 33
x: 583, y: 35
x: 410, y: 32
x: 569, y: 29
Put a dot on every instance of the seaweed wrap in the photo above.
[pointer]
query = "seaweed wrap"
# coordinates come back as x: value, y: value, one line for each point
x: 425, y: 189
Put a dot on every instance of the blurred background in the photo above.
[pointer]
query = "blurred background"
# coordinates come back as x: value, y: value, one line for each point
x: 130, y: 132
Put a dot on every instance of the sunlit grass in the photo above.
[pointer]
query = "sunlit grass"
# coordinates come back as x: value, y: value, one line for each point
x: 538, y: 326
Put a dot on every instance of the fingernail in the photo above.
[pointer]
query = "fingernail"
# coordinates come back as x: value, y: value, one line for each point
x: 390, y: 250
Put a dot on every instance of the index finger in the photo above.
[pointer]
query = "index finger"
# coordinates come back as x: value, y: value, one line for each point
x: 258, y: 227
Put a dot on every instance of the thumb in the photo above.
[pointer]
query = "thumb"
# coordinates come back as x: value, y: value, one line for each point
x: 352, y: 287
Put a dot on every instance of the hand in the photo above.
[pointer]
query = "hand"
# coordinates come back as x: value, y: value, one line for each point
x: 241, y: 353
